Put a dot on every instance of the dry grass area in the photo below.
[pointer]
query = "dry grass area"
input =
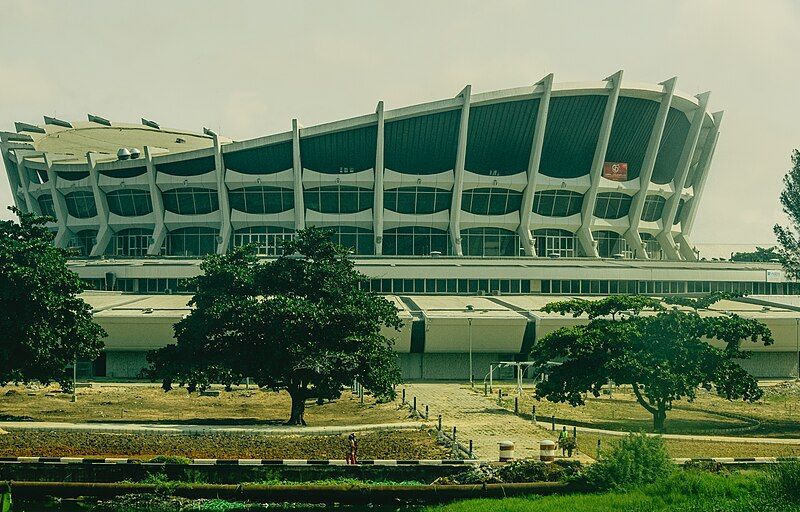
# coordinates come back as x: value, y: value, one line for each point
x: 405, y: 444
x: 148, y: 403
x: 777, y: 414
x: 679, y: 448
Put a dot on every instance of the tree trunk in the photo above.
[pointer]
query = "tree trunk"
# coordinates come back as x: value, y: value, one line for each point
x: 298, y: 395
x: 659, y: 419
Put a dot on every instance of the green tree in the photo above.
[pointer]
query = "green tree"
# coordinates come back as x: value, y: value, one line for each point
x: 789, y: 236
x: 300, y: 323
x: 662, y: 353
x: 44, y: 324
x: 761, y: 254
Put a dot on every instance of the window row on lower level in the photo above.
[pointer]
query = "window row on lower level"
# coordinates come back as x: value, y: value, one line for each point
x: 490, y: 286
x: 402, y: 241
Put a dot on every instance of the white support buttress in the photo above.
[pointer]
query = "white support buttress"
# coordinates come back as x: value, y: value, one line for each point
x: 297, y: 167
x: 458, y: 171
x: 59, y: 204
x: 32, y: 205
x: 104, y: 232
x: 222, y: 195
x: 159, y: 231
x: 632, y: 235
x: 526, y: 208
x: 690, y: 209
x: 377, y: 190
x: 587, y: 212
x: 665, y: 239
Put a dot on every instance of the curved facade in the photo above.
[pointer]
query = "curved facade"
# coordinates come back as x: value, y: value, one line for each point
x: 605, y: 169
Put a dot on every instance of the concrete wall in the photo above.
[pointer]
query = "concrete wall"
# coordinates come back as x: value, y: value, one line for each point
x: 771, y: 365
x: 452, y: 366
x: 125, y: 364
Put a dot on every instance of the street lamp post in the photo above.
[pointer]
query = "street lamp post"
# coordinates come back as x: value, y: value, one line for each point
x: 471, y: 381
x: 75, y: 379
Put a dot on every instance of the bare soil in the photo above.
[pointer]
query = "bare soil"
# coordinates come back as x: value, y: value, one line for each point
x: 405, y: 444
x: 149, y: 403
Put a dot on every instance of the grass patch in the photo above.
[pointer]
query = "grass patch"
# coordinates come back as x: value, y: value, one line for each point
x: 684, y: 491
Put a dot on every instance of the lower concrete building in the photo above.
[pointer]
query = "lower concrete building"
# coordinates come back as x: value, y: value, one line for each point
x: 442, y: 336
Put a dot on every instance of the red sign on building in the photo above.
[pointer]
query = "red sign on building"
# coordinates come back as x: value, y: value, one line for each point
x: 615, y: 171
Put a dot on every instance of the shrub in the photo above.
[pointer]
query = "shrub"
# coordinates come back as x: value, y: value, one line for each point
x: 524, y: 471
x: 783, y: 482
x: 633, y: 460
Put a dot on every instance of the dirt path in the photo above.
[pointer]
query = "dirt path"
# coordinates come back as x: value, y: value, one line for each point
x: 479, y: 418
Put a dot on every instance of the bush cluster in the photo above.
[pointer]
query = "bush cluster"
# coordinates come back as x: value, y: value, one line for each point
x: 636, y: 459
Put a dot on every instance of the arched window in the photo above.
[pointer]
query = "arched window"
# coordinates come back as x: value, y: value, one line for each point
x: 417, y: 200
x: 612, y: 205
x: 489, y: 242
x: 72, y: 175
x: 266, y: 239
x: 262, y: 199
x: 82, y: 242
x: 653, y: 207
x: 191, y: 201
x: 557, y: 203
x: 129, y: 202
x: 338, y: 199
x: 611, y: 244
x: 358, y: 240
x: 652, y: 246
x: 415, y: 241
x: 80, y: 204
x: 193, y: 241
x: 46, y: 205
x: 490, y: 201
x: 132, y: 242
x: 555, y: 242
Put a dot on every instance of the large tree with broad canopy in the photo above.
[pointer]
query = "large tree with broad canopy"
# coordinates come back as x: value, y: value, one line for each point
x: 44, y: 325
x: 661, y: 352
x: 300, y: 323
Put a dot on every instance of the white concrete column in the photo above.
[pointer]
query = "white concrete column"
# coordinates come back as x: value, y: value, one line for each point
x: 690, y: 209
x: 587, y: 212
x: 297, y: 166
x: 377, y: 190
x: 222, y: 195
x: 32, y: 205
x: 632, y: 236
x: 104, y: 232
x: 59, y: 204
x: 665, y: 239
x: 526, y: 208
x: 15, y: 180
x: 458, y: 183
x: 159, y: 231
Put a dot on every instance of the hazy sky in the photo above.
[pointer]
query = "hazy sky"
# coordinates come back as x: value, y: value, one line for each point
x: 247, y: 68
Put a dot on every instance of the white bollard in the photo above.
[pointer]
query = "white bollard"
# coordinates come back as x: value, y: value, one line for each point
x: 547, y: 450
x: 506, y: 451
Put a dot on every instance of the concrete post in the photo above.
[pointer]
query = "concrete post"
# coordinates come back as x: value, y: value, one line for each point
x: 632, y: 235
x: 59, y: 204
x: 222, y: 194
x: 104, y: 232
x: 297, y: 167
x: 690, y: 210
x: 526, y: 208
x: 671, y: 207
x: 377, y: 190
x: 159, y: 231
x: 458, y: 182
x: 587, y: 212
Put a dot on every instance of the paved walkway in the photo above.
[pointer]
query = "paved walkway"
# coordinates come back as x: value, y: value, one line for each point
x: 163, y: 428
x: 479, y: 418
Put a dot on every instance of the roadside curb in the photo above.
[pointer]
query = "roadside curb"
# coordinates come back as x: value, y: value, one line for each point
x: 241, y: 462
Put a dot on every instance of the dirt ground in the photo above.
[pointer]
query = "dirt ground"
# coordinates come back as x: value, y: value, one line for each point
x: 148, y: 403
x: 777, y: 414
x: 405, y: 444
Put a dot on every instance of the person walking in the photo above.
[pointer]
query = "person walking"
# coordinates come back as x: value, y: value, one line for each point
x: 562, y: 440
x: 352, y: 455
